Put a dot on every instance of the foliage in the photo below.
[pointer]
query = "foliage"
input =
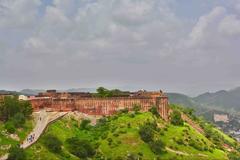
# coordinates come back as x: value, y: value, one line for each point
x: 233, y: 156
x: 11, y: 106
x: 157, y: 146
x: 52, y: 143
x: 16, y: 153
x: 9, y: 126
x: 136, y: 108
x: 18, y: 120
x: 103, y: 92
x: 146, y: 131
x: 84, y: 124
x: 154, y: 111
x: 80, y: 148
x: 176, y: 118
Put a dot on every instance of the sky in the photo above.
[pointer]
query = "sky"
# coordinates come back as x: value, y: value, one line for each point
x: 174, y: 45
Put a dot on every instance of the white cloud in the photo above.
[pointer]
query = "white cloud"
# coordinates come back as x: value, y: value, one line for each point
x: 127, y: 41
x: 230, y: 25
x: 18, y: 13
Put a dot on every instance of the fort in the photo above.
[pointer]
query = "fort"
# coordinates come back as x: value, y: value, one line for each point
x: 91, y: 104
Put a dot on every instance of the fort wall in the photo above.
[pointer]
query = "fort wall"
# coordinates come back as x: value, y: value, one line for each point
x: 101, y: 106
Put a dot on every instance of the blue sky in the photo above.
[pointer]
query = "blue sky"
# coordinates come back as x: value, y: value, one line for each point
x: 174, y: 45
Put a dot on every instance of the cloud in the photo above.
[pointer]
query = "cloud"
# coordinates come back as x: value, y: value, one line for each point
x: 18, y: 13
x: 129, y: 42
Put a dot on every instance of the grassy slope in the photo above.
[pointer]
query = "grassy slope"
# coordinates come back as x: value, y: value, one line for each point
x: 6, y: 140
x: 126, y: 139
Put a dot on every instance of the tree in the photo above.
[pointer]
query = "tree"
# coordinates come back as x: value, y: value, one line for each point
x: 11, y: 106
x: 26, y: 108
x: 84, y: 124
x: 154, y: 111
x: 157, y: 146
x: 146, y: 133
x: 80, y: 148
x: 18, y: 120
x: 52, y: 143
x: 102, y: 92
x: 9, y: 126
x: 16, y: 153
x: 176, y: 118
x: 136, y: 108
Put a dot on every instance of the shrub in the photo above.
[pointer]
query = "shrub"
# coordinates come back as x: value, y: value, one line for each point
x: 136, y: 108
x: 146, y: 133
x: 157, y: 146
x: 154, y: 111
x: 180, y: 141
x: 176, y: 118
x: 16, y: 153
x: 9, y: 126
x: 84, y: 124
x: 12, y: 106
x: 52, y: 143
x: 80, y: 148
x: 18, y: 120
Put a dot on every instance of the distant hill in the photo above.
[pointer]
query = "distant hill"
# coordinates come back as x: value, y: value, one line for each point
x: 31, y: 91
x: 181, y: 99
x: 8, y: 92
x: 81, y: 90
x: 224, y: 100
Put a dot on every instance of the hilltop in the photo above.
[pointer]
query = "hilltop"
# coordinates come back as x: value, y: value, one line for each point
x: 134, y: 135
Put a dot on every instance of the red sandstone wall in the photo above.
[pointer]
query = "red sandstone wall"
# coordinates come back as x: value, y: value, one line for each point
x: 101, y: 106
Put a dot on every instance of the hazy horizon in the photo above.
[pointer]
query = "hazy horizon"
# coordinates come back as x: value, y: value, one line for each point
x: 188, y: 47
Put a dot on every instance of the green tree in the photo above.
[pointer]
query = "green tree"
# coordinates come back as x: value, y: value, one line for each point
x: 102, y: 92
x: 18, y: 120
x: 146, y: 133
x: 136, y: 108
x: 52, y: 143
x: 11, y: 106
x: 154, y: 111
x: 16, y: 153
x: 84, y: 124
x: 157, y: 146
x: 9, y: 126
x: 80, y: 148
x: 176, y: 118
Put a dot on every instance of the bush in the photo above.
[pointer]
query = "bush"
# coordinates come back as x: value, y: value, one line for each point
x: 85, y: 124
x: 136, y: 108
x: 146, y: 133
x: 16, y: 153
x: 80, y: 148
x: 154, y: 111
x: 9, y: 126
x: 12, y: 106
x: 157, y: 147
x: 18, y: 120
x: 176, y: 118
x: 52, y: 143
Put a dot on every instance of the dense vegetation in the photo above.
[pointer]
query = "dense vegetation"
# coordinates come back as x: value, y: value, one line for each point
x: 130, y: 135
x: 103, y: 92
x: 15, y: 118
x: 14, y: 113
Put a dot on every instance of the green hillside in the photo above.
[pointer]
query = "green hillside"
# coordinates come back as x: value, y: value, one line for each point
x: 128, y: 136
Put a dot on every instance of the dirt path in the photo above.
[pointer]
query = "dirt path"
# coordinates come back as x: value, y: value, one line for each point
x: 177, y: 152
